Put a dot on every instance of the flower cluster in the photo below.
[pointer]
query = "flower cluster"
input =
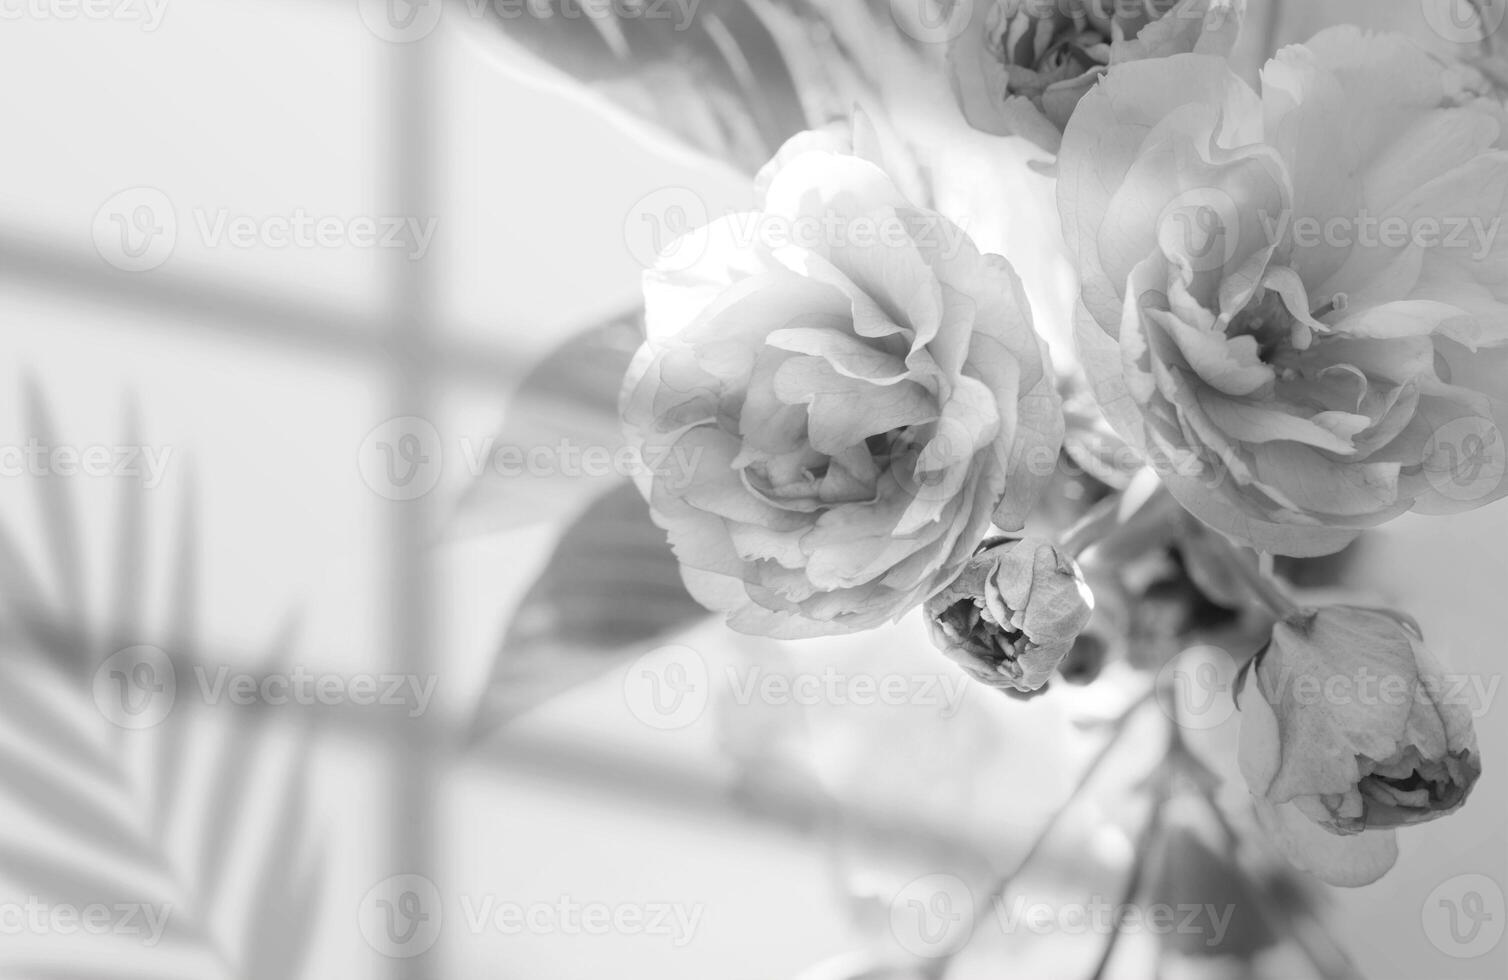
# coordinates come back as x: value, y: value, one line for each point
x: 1292, y: 315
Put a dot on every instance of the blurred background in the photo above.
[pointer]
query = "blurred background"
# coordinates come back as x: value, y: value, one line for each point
x: 329, y: 649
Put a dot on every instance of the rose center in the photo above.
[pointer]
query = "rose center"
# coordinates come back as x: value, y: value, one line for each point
x: 1413, y: 787
x: 1268, y: 322
x: 1041, y: 45
x: 886, y: 446
x: 969, y: 624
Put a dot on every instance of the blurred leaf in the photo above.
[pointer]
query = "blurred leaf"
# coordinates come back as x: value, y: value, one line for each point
x: 130, y: 546
x: 282, y: 920
x: 181, y: 634
x: 83, y: 971
x: 864, y: 966
x: 23, y: 601
x: 710, y: 72
x: 74, y: 801
x: 1232, y: 921
x: 65, y: 877
x: 569, y: 401
x: 611, y: 588
x: 1207, y: 561
x: 60, y: 524
x: 736, y: 78
x: 226, y: 806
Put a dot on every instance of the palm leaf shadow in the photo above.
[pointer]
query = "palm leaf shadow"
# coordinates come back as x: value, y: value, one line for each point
x: 70, y: 770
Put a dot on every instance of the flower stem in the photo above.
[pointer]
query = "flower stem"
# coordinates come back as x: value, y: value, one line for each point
x: 1273, y: 29
x: 1260, y: 580
x: 1088, y: 530
x: 940, y: 966
x: 1147, y: 840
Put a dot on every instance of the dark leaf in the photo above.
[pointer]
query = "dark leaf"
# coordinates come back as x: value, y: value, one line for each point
x: 611, y: 588
x: 566, y: 405
x: 1207, y: 560
x: 1192, y: 875
x: 711, y: 72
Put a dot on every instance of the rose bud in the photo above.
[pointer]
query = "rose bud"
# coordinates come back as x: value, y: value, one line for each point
x: 1012, y: 615
x: 1020, y: 67
x: 1347, y: 734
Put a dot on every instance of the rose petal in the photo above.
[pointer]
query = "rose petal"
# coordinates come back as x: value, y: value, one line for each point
x: 1349, y: 861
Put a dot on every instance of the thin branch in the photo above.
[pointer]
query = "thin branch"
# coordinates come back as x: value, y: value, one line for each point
x: 997, y: 893
x: 1259, y: 578
x: 1144, y: 844
x: 1090, y: 529
x: 1270, y: 36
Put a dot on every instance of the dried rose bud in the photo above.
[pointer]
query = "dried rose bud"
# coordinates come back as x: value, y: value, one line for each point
x: 1349, y: 731
x: 1013, y: 614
